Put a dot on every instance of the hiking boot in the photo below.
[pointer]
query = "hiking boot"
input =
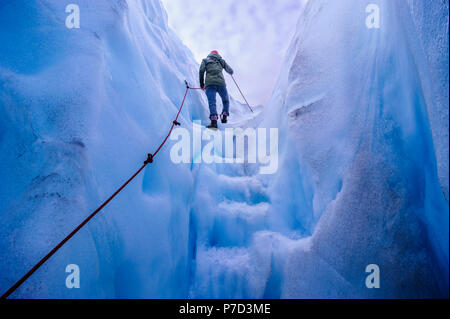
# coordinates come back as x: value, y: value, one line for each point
x: 213, y: 124
x: 223, y: 117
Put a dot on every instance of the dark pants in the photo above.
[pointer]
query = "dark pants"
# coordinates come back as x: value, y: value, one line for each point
x: 211, y: 91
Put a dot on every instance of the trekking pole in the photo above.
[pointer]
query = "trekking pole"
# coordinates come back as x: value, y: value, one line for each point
x: 241, y: 93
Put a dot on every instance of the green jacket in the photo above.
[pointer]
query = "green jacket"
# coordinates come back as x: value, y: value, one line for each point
x: 213, y: 66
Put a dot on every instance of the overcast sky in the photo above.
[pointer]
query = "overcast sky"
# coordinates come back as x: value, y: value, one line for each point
x: 251, y: 35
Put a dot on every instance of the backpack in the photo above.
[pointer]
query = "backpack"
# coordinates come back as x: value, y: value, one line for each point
x: 213, y: 66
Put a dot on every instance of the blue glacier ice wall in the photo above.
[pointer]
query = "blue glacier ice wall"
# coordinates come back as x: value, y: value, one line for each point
x: 364, y: 114
x: 363, y: 169
x: 431, y: 28
x: 79, y: 111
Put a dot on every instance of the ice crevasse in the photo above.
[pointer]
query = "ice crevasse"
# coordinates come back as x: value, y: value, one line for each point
x: 363, y: 152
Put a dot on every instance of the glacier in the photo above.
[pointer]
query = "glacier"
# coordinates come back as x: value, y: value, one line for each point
x: 363, y: 158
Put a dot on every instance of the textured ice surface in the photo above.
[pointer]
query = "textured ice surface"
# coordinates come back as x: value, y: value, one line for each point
x: 80, y: 109
x: 355, y: 105
x: 363, y: 170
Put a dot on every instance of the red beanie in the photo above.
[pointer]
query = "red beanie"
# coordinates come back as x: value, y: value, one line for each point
x: 214, y: 51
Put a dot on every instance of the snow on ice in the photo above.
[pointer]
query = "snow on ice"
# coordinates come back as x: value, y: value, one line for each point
x: 362, y: 179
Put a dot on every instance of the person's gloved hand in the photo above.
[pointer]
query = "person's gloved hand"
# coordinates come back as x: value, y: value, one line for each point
x: 202, y: 86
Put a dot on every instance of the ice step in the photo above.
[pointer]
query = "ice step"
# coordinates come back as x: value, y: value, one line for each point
x: 235, y: 222
x: 219, y: 265
x: 237, y: 169
x: 246, y: 189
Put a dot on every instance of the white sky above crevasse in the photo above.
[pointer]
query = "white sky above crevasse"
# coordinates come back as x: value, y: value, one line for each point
x: 251, y: 35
